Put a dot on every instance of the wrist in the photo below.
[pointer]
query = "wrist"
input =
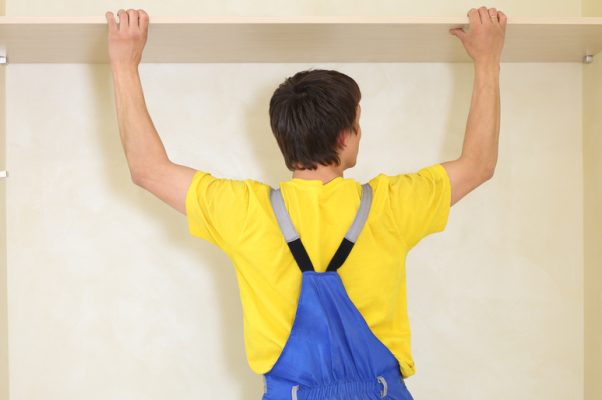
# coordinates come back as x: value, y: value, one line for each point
x: 124, y: 67
x: 487, y: 64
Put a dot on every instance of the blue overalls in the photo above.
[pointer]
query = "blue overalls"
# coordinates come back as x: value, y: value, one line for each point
x: 331, y: 353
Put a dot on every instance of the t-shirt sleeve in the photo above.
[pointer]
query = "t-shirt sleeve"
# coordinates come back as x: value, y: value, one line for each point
x: 420, y: 202
x: 216, y: 208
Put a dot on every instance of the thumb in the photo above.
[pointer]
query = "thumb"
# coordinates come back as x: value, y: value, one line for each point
x: 458, y: 32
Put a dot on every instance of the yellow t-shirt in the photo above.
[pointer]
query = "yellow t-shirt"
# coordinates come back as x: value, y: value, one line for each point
x: 236, y: 216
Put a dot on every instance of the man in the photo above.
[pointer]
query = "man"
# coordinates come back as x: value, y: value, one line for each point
x: 315, y: 118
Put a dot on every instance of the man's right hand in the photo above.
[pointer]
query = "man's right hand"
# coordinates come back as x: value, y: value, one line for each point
x: 127, y: 39
x: 485, y: 37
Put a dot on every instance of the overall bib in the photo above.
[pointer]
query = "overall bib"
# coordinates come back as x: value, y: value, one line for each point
x: 331, y: 353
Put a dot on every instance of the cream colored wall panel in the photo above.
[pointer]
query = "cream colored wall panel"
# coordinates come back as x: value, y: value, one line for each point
x: 296, y: 39
x: 110, y: 297
x: 592, y: 153
x: 293, y: 7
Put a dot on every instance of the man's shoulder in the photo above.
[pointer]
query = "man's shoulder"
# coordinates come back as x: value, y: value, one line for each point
x: 433, y: 171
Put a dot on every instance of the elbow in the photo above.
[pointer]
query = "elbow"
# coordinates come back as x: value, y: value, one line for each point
x: 487, y: 168
x: 488, y: 173
x: 137, y: 178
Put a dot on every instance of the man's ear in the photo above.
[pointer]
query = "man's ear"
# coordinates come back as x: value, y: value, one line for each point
x: 342, y: 139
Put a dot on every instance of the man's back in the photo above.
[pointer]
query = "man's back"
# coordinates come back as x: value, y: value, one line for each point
x: 237, y: 216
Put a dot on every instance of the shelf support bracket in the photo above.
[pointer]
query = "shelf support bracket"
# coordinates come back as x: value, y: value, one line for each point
x: 3, y: 174
x: 588, y: 59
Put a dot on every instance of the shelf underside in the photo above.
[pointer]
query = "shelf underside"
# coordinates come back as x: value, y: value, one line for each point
x: 286, y: 40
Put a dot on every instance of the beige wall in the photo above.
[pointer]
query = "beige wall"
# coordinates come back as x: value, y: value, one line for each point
x: 117, y: 301
x: 592, y: 168
x: 111, y: 299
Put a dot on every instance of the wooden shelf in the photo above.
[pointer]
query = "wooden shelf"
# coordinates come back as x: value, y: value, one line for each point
x: 295, y: 39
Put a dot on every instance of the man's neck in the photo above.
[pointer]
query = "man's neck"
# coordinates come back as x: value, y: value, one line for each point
x: 322, y: 173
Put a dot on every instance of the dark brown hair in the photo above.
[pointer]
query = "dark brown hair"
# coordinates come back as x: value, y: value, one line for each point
x: 308, y: 111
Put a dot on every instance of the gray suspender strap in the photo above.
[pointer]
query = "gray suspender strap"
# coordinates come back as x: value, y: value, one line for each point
x: 282, y: 215
x: 289, y: 232
x: 294, y: 242
x: 362, y: 214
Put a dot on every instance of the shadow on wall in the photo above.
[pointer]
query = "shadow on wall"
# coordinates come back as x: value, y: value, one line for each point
x: 223, y: 274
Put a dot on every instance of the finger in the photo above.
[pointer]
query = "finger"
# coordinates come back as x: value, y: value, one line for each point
x: 484, y: 14
x: 111, y: 21
x: 493, y: 16
x: 123, y: 20
x: 473, y: 16
x: 503, y: 18
x: 133, y: 19
x: 143, y: 19
x: 458, y: 32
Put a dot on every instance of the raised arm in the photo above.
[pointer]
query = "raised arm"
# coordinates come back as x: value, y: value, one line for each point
x: 149, y: 165
x: 483, y: 42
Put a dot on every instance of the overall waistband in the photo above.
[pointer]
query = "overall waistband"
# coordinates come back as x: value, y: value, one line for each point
x: 387, y: 382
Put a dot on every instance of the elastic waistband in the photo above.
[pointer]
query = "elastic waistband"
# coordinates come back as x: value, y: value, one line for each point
x: 385, y: 383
